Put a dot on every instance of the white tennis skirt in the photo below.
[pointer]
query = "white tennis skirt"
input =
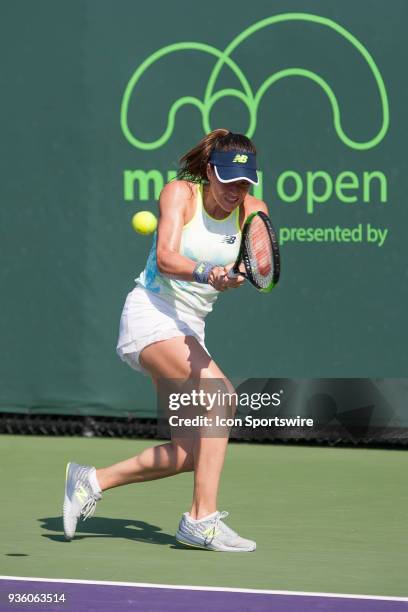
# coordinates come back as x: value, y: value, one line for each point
x: 147, y: 318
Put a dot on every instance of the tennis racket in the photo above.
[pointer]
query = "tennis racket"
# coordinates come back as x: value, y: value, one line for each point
x: 259, y: 252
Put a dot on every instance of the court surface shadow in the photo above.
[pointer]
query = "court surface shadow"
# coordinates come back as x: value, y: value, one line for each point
x: 100, y: 527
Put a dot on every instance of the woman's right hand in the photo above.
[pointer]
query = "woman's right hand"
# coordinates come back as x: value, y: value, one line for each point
x: 217, y: 278
x: 220, y: 280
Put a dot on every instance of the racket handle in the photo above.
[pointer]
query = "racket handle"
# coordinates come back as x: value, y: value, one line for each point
x: 233, y: 273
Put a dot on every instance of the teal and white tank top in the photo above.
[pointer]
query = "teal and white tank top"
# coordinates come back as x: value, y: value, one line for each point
x: 203, y: 239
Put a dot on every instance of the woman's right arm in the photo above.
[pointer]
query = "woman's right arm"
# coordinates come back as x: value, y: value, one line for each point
x: 175, y: 199
x: 173, y: 205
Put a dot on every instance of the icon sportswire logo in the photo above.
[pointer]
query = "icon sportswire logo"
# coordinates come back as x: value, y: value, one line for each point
x: 252, y: 99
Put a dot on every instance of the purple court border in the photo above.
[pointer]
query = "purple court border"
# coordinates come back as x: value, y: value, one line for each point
x: 88, y: 596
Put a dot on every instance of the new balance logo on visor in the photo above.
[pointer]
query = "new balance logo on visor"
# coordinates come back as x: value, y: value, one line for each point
x: 229, y: 239
x: 240, y: 159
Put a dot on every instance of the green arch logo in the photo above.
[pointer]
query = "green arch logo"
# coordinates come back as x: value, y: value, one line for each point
x: 251, y: 99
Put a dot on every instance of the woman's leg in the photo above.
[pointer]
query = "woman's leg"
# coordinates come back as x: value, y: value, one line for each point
x: 166, y: 459
x: 183, y: 358
x: 155, y: 462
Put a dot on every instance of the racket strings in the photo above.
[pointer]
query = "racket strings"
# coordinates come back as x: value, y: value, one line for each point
x: 259, y: 250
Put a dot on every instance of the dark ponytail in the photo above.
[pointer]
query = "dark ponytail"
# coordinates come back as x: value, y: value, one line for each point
x: 193, y: 165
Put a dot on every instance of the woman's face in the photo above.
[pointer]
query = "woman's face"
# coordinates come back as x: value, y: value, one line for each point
x: 227, y: 195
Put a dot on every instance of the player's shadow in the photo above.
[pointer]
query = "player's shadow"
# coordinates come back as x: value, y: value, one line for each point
x: 100, y: 527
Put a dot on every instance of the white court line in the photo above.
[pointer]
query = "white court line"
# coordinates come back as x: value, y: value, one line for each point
x: 205, y: 588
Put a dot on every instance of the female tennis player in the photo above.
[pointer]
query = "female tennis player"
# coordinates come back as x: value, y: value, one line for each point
x: 162, y: 329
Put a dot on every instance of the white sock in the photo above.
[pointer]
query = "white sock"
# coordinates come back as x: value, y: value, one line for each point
x: 94, y: 481
x: 205, y: 518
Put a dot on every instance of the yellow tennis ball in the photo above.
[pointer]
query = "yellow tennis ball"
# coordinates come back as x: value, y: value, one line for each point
x: 144, y: 222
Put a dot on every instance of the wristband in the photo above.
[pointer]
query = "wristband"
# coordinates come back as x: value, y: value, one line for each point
x: 202, y: 271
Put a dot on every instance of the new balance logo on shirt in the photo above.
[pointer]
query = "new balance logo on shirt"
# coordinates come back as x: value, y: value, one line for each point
x: 229, y: 239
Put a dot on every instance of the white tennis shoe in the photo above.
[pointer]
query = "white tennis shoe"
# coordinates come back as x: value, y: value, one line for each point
x: 79, y: 499
x: 212, y: 533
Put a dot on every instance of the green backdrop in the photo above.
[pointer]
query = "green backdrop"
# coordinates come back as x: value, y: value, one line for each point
x: 332, y: 112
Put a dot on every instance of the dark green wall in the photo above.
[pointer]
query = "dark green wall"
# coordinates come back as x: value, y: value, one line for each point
x: 68, y: 253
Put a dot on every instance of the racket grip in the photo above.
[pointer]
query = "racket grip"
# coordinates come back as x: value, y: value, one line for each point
x: 232, y: 273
